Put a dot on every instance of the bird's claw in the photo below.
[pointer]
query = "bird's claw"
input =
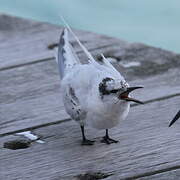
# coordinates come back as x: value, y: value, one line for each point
x: 108, y: 140
x: 87, y: 142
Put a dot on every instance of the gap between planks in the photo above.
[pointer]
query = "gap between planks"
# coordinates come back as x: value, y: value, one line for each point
x: 145, y: 141
x: 68, y: 119
x: 153, y: 173
x: 26, y: 64
x: 52, y: 58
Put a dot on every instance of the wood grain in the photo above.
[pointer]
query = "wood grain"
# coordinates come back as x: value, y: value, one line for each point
x: 26, y: 41
x: 30, y: 99
x: 169, y: 174
x: 146, y: 145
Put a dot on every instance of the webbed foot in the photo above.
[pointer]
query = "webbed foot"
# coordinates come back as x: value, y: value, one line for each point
x: 86, y: 142
x: 106, y: 139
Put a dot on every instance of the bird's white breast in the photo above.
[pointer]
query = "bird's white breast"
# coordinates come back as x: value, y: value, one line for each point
x: 106, y: 115
x: 100, y: 114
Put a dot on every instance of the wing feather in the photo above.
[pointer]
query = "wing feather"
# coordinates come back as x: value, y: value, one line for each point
x: 88, y: 54
x: 107, y: 64
x: 73, y: 106
x: 67, y: 58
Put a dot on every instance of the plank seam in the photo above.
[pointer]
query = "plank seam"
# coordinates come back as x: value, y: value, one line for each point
x: 35, y: 127
x: 25, y: 64
x: 68, y: 119
x: 153, y: 173
x: 158, y: 99
x: 48, y: 59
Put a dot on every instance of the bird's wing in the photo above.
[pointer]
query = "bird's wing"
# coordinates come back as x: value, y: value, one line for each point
x: 67, y: 58
x: 73, y: 106
x: 88, y: 54
x: 106, y: 63
x: 110, y: 67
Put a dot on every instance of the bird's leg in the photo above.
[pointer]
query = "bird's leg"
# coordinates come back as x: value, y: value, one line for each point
x: 84, y: 140
x: 106, y: 139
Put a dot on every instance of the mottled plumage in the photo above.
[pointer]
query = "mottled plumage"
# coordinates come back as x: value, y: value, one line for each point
x: 95, y: 93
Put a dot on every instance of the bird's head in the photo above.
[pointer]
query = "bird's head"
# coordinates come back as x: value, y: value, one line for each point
x: 117, y: 88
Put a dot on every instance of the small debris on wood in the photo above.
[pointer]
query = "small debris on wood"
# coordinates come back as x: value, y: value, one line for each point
x: 52, y: 46
x: 130, y: 64
x: 17, y: 144
x: 111, y: 58
x: 31, y: 136
x: 93, y: 176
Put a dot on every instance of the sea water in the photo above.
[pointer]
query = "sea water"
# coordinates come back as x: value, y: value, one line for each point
x: 154, y: 22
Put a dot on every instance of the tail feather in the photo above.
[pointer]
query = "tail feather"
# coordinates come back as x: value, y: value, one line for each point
x: 108, y: 64
x: 177, y: 116
x: 67, y: 58
x: 88, y: 54
x: 110, y: 67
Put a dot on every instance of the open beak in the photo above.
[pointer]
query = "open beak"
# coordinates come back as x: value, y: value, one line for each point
x: 175, y: 119
x: 125, y: 94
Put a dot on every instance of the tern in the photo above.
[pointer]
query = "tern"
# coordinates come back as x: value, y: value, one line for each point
x: 176, y: 117
x: 94, y: 94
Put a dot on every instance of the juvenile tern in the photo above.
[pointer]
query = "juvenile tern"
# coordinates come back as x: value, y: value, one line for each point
x: 94, y: 94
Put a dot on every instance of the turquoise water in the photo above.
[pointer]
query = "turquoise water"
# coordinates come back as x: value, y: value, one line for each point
x: 154, y: 22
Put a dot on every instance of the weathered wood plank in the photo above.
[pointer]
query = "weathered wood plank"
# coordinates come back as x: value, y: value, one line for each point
x: 169, y: 175
x: 25, y: 41
x: 31, y: 98
x: 31, y: 95
x: 146, y: 145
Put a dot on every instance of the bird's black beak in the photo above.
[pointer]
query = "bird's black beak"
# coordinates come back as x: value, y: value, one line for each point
x: 125, y: 94
x: 175, y: 119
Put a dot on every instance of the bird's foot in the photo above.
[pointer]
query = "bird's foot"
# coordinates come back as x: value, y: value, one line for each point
x: 108, y: 140
x: 87, y: 142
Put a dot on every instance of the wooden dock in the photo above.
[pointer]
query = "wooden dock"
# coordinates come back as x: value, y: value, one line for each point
x: 30, y: 100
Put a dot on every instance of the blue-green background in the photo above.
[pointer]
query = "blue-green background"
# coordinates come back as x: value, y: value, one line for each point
x: 154, y: 22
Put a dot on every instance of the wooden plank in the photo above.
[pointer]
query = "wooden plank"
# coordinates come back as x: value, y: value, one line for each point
x: 146, y: 145
x: 25, y: 41
x: 31, y: 98
x: 31, y: 95
x: 170, y: 175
